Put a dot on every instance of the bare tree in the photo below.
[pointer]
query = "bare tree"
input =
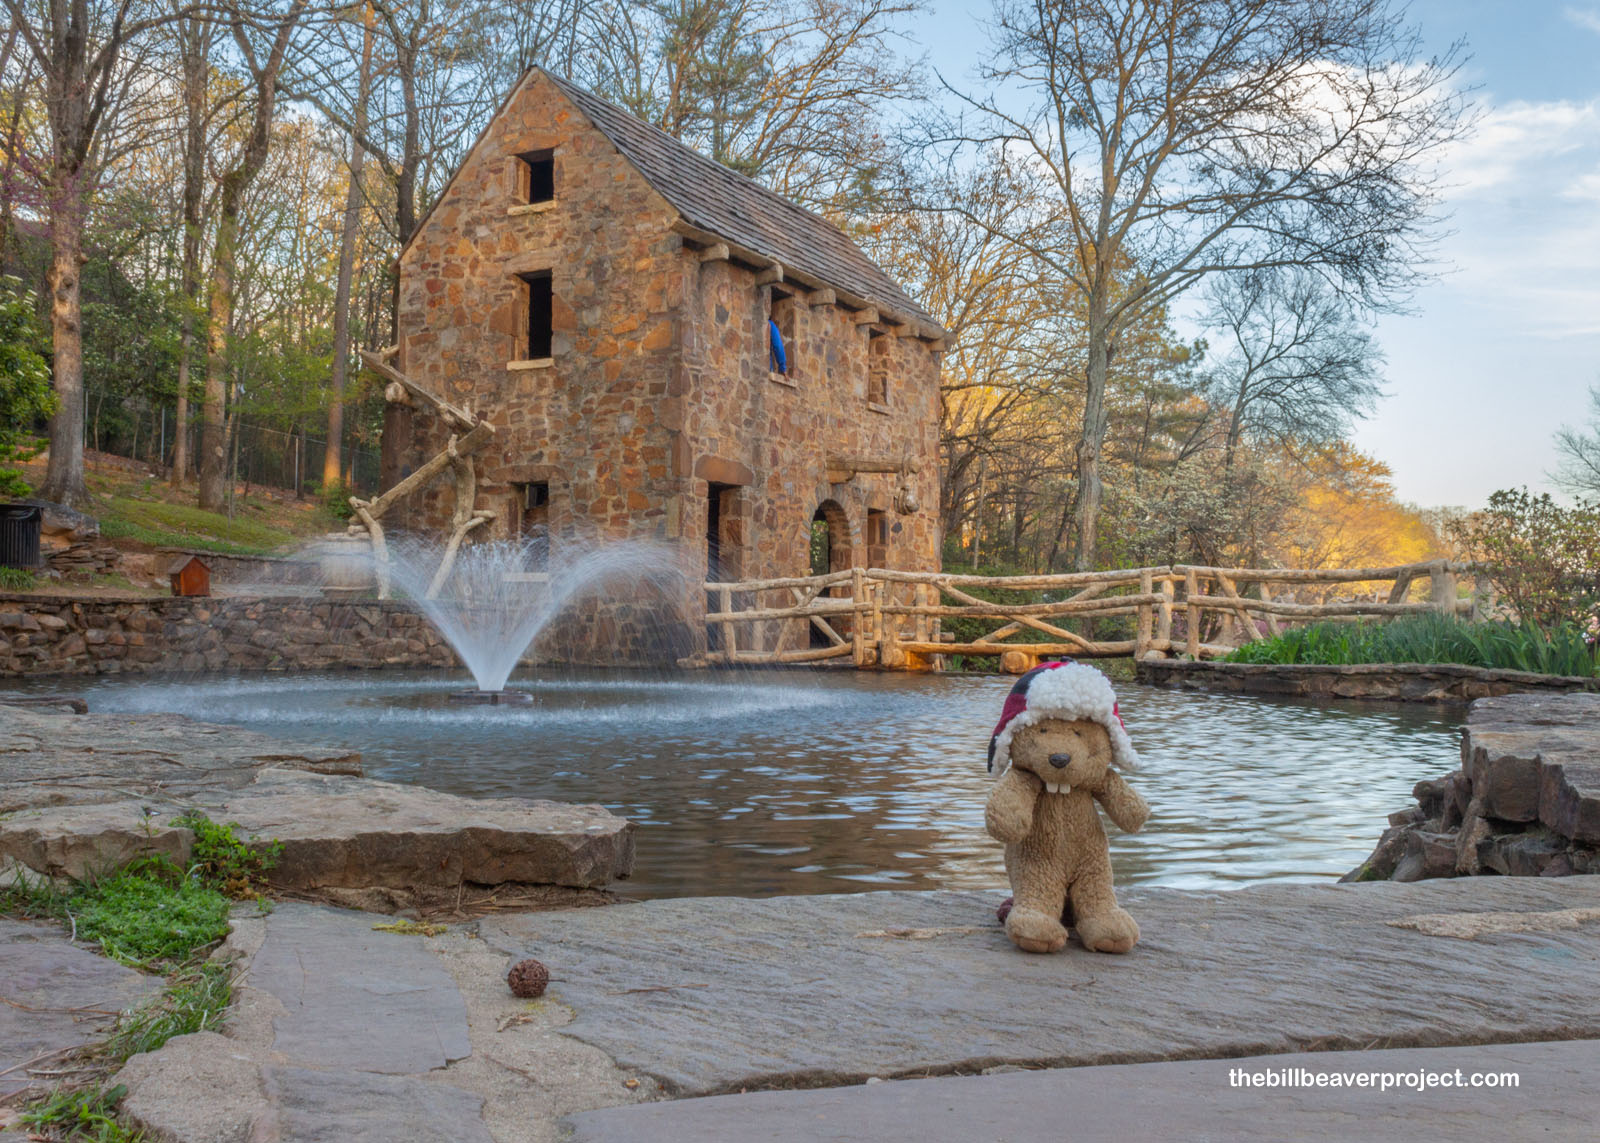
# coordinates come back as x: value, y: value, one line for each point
x: 1298, y: 367
x: 195, y: 38
x: 790, y: 92
x: 1579, y: 450
x: 78, y: 47
x: 263, y: 70
x: 332, y: 457
x: 1170, y: 141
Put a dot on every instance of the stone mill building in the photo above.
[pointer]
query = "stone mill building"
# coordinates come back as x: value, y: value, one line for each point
x: 612, y: 301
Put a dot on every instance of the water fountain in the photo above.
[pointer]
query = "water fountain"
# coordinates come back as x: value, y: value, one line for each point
x: 501, y: 594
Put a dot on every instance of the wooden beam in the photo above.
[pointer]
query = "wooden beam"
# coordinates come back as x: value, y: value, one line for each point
x: 771, y: 275
x: 717, y: 253
x: 455, y: 416
x: 823, y: 298
x: 868, y: 316
x: 456, y: 449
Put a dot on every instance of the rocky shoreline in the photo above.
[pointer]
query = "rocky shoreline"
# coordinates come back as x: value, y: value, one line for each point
x: 1525, y: 803
x: 1384, y: 682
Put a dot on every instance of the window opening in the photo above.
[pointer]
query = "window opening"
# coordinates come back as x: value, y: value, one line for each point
x: 877, y: 368
x: 540, y: 300
x: 539, y: 175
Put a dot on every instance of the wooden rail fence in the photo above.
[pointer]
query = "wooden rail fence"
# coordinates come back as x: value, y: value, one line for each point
x: 896, y: 619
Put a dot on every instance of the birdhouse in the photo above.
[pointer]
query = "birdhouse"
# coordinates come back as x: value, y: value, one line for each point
x: 190, y: 576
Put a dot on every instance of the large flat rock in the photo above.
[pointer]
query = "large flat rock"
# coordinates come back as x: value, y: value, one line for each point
x: 1553, y: 1101
x: 82, y: 794
x: 355, y: 998
x: 55, y: 997
x: 713, y: 995
x: 337, y: 833
x: 1537, y: 758
x: 49, y: 758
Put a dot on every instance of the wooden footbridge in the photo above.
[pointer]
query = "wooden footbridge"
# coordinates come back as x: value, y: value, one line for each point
x: 877, y: 617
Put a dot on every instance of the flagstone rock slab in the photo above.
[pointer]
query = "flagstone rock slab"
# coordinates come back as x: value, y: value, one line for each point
x: 355, y: 1107
x: 339, y: 833
x: 49, y: 758
x: 354, y: 998
x: 1190, y: 1100
x: 58, y: 996
x: 712, y: 995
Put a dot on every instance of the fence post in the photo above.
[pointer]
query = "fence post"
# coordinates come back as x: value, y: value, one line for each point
x: 1164, y: 615
x: 1146, y: 615
x: 1482, y: 597
x: 1443, y: 582
x: 730, y: 633
x: 858, y: 616
x: 1191, y: 588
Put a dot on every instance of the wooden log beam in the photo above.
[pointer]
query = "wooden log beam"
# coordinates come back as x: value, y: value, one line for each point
x: 453, y: 451
x: 1020, y: 582
x: 1246, y: 624
x: 830, y: 580
x: 873, y: 464
x: 1091, y: 650
x: 1316, y: 610
x: 717, y: 252
x: 1311, y: 575
x: 380, y: 548
x: 455, y: 416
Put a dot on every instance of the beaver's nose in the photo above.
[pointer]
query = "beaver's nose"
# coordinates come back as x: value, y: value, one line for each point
x: 1059, y: 761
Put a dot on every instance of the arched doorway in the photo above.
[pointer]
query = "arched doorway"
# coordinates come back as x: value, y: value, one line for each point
x: 830, y: 552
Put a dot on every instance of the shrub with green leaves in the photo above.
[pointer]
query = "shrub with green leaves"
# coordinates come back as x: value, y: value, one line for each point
x: 1544, y: 557
x: 226, y: 861
x: 25, y: 394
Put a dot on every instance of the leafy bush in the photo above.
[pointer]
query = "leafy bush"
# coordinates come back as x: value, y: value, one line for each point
x: 1562, y: 650
x: 25, y: 394
x: 335, y: 498
x: 1543, y: 557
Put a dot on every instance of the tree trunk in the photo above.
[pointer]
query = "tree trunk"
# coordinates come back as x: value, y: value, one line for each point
x: 213, y: 443
x: 63, y: 482
x: 332, y: 467
x: 1086, y: 505
x: 196, y: 59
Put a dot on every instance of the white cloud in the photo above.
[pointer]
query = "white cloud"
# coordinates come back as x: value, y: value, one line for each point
x: 1584, y: 17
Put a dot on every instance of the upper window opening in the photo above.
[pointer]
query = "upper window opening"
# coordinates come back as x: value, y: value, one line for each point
x: 782, y: 326
x: 878, y: 368
x: 539, y: 175
x: 540, y: 300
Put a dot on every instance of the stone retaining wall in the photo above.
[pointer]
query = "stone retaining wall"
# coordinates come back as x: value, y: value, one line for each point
x: 1404, y: 682
x: 69, y: 635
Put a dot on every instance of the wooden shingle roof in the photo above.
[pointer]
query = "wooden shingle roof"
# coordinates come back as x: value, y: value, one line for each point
x: 714, y: 199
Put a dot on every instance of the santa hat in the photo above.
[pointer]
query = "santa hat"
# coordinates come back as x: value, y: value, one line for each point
x: 1067, y: 691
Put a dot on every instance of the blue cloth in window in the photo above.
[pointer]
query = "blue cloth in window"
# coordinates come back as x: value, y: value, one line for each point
x: 780, y: 360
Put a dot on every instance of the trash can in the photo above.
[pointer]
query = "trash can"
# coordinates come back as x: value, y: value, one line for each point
x: 19, y: 535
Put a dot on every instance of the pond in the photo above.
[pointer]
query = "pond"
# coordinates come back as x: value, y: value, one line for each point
x: 821, y: 782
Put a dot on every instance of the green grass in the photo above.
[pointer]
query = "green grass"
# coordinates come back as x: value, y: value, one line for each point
x: 83, y: 1114
x: 146, y: 915
x: 161, y: 523
x: 195, y: 1000
x: 150, y: 913
x: 16, y: 579
x: 1431, y: 639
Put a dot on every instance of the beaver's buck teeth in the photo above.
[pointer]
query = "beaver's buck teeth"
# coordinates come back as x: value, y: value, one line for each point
x: 1058, y: 788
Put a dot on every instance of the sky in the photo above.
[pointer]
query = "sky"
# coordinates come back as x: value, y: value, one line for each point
x: 1500, y: 350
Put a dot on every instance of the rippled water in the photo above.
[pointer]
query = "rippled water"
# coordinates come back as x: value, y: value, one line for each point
x: 800, y: 782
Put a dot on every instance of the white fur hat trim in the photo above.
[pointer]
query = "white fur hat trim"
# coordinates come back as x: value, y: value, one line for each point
x: 1067, y: 691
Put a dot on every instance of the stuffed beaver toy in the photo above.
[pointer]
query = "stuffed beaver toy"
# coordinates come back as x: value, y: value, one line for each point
x: 1056, y: 752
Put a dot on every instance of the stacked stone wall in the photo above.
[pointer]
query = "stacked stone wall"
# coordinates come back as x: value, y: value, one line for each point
x: 67, y: 635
